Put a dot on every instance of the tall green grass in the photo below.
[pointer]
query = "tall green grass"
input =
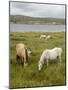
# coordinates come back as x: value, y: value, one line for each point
x: 29, y: 76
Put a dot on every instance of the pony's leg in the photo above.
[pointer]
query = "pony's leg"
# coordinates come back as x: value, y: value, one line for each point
x: 25, y: 62
x: 60, y: 58
x: 57, y: 59
x: 17, y: 58
x: 47, y: 62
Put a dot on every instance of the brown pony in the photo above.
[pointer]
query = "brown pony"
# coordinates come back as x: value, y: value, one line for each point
x: 21, y: 53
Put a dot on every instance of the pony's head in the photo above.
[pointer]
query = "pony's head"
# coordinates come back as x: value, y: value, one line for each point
x: 39, y: 66
x: 29, y: 53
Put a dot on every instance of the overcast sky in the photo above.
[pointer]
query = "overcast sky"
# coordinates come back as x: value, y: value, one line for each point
x: 37, y: 10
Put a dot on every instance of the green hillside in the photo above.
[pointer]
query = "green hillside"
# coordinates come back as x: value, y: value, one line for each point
x: 32, y: 20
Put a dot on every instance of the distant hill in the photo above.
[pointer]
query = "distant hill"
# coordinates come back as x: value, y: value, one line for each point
x: 31, y: 20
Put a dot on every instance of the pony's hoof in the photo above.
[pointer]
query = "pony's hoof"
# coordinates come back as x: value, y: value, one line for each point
x: 25, y: 65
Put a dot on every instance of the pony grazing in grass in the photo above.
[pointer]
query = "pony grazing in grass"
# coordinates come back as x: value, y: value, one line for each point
x: 49, y: 54
x: 42, y: 36
x: 22, y: 53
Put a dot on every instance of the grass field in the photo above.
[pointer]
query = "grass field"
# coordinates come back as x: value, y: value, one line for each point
x: 29, y: 76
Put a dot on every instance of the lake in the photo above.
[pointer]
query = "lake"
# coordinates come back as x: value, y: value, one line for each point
x: 36, y: 28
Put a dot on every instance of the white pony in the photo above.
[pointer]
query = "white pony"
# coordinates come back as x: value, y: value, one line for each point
x: 22, y: 53
x: 42, y: 36
x: 49, y: 54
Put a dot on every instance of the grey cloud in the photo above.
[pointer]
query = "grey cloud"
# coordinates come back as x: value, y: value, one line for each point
x: 37, y: 10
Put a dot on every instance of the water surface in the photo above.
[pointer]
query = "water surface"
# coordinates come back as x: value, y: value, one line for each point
x: 36, y: 28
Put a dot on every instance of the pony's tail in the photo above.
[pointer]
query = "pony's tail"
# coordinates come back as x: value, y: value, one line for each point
x: 26, y: 53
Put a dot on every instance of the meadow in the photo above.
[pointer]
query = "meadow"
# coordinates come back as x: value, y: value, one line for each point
x: 53, y: 75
